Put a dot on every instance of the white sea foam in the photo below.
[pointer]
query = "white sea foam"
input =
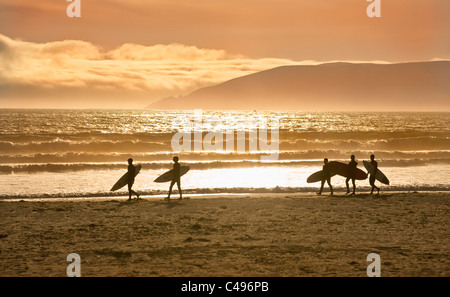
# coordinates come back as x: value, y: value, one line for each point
x: 83, y: 152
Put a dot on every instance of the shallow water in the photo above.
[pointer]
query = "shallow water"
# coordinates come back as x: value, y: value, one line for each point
x: 83, y: 152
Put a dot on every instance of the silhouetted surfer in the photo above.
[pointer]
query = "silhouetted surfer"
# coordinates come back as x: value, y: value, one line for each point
x: 326, y: 177
x: 175, y: 177
x: 351, y: 174
x: 131, y: 175
x: 372, y: 176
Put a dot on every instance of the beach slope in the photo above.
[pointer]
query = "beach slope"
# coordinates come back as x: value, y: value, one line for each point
x: 251, y: 235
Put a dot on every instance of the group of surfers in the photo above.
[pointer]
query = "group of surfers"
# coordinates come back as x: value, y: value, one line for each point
x: 175, y: 178
x: 326, y: 177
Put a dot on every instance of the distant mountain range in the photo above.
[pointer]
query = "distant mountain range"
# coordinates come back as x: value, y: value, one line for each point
x: 328, y: 87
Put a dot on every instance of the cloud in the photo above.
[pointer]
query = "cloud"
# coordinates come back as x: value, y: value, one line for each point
x: 172, y: 52
x: 75, y: 68
x: 176, y: 67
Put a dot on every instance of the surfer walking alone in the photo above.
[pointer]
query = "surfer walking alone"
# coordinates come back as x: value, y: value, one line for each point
x: 175, y: 177
x: 326, y: 177
x: 374, y: 173
x: 351, y: 174
x: 131, y: 175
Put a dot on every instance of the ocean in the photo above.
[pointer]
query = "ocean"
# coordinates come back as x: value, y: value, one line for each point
x: 82, y: 153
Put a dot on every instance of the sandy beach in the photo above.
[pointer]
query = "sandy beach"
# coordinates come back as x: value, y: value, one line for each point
x: 243, y: 235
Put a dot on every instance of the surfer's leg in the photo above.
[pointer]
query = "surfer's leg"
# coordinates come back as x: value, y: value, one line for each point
x: 329, y: 184
x: 170, y: 189
x: 321, y: 188
x: 129, y: 190
x: 354, y: 186
x: 375, y: 187
x: 371, y: 182
x: 179, y: 188
x: 346, y: 183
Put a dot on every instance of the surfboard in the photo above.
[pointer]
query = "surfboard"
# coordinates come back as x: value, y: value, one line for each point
x: 342, y: 169
x: 379, y: 176
x: 123, y: 181
x: 317, y: 176
x: 167, y: 176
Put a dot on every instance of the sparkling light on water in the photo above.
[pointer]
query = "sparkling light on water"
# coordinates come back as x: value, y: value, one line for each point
x: 84, y: 152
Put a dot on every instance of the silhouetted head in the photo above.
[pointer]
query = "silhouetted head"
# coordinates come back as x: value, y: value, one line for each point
x: 325, y: 161
x: 352, y: 157
x: 372, y: 157
x: 130, y: 161
x: 175, y: 159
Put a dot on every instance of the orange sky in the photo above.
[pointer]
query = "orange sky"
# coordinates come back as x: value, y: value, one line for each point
x: 126, y: 48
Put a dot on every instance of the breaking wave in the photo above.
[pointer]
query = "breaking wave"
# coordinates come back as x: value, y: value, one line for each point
x: 200, y: 165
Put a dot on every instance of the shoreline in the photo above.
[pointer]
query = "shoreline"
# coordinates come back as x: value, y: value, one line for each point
x: 238, y: 193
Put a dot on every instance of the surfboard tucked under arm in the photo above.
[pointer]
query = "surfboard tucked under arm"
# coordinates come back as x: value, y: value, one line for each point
x: 379, y: 176
x: 167, y: 176
x: 343, y: 169
x: 317, y: 177
x: 123, y: 181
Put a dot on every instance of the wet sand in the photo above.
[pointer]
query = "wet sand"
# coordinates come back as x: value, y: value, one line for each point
x: 272, y: 235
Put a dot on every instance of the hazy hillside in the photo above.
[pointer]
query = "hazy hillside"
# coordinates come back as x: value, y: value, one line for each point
x: 334, y: 86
